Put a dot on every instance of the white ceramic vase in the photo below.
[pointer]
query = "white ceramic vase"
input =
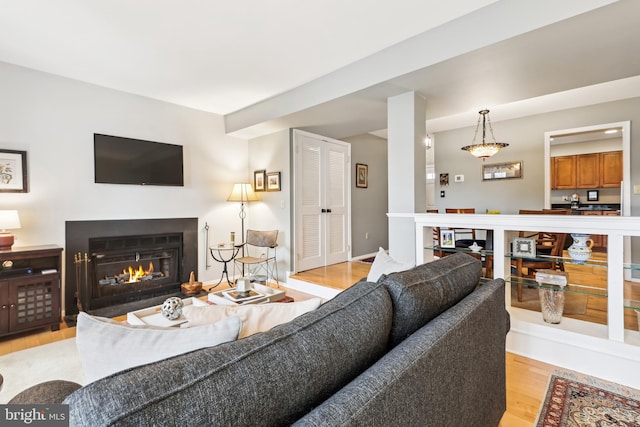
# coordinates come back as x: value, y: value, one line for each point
x: 580, y: 249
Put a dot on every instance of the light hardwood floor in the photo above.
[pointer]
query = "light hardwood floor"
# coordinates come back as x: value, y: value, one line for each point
x: 526, y: 378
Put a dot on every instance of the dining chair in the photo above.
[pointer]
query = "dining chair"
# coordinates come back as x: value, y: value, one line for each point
x: 260, y: 256
x: 549, y: 250
x: 470, y: 232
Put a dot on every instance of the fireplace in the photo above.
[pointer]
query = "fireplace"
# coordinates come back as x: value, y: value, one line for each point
x: 116, y: 266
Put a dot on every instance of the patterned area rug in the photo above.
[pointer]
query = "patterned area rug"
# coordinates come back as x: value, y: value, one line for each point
x: 575, y: 400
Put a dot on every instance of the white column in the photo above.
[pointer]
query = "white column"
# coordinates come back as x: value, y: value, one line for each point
x: 406, y: 169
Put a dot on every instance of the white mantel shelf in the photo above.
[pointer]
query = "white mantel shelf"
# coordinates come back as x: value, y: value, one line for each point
x: 605, y: 351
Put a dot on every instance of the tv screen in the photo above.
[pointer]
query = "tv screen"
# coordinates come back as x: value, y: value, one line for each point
x: 133, y: 161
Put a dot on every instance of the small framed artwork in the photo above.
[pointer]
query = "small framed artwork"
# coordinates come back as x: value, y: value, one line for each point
x: 447, y: 238
x: 273, y: 181
x: 13, y: 171
x: 502, y: 171
x: 258, y: 180
x: 523, y: 247
x: 362, y: 175
x: 593, y: 195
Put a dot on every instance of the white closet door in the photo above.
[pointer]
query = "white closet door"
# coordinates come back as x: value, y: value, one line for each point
x: 321, y: 201
x: 308, y: 202
x: 336, y: 199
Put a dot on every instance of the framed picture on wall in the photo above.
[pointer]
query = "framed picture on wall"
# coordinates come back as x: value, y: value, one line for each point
x: 593, y: 195
x: 258, y: 180
x: 13, y: 171
x: 362, y: 175
x: 273, y: 181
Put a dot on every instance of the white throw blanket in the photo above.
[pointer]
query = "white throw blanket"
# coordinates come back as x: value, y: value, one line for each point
x: 59, y: 360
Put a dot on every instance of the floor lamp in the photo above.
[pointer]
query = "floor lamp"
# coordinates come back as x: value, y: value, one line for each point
x: 242, y: 193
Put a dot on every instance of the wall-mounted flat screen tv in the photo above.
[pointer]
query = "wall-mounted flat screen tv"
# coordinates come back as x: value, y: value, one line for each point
x: 133, y: 161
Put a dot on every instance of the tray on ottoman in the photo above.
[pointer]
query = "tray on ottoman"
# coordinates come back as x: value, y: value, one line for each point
x: 269, y: 294
x: 153, y: 315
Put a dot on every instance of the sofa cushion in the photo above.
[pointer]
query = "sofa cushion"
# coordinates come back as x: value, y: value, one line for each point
x: 269, y: 378
x: 384, y: 264
x: 422, y: 293
x: 106, y: 346
x: 255, y: 317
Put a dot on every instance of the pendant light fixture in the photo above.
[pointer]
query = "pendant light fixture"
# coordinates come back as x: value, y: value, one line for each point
x: 486, y: 149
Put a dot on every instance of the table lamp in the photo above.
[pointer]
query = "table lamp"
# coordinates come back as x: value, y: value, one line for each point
x: 9, y: 220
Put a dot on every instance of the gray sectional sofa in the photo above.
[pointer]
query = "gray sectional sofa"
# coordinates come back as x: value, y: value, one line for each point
x: 423, y: 347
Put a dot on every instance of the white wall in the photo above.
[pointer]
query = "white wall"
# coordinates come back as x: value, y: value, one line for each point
x: 273, y: 211
x: 369, y: 205
x: 54, y: 119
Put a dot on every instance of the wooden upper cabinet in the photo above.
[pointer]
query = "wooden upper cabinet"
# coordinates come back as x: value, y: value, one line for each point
x: 595, y: 170
x: 564, y: 172
x: 588, y: 170
x: 610, y: 169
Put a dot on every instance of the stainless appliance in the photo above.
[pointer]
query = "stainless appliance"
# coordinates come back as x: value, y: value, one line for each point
x: 575, y: 201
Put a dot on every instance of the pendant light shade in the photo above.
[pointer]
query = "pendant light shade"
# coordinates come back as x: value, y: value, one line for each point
x: 486, y: 149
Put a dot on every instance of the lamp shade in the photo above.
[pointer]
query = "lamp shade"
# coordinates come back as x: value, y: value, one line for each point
x: 242, y: 193
x: 9, y: 220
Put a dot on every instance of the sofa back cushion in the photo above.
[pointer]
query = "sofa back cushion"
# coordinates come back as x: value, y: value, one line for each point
x: 422, y: 293
x: 269, y: 378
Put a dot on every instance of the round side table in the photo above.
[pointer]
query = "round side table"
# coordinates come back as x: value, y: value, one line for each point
x: 224, y: 253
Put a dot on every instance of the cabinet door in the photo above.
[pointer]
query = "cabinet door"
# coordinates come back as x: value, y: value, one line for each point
x: 588, y: 170
x: 565, y: 172
x: 610, y: 169
x: 4, y: 308
x: 554, y: 186
x: 35, y: 301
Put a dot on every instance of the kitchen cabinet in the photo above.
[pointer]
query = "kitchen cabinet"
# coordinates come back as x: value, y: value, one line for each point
x: 610, y: 169
x: 563, y: 172
x: 588, y: 170
x: 594, y: 170
x: 30, y: 288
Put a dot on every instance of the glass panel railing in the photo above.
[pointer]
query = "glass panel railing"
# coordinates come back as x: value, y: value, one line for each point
x: 569, y: 288
x: 593, y: 262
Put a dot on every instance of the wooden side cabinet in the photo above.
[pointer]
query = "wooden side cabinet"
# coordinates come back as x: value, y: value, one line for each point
x: 30, y: 288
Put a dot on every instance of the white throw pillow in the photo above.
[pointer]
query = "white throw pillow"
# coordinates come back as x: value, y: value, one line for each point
x: 107, y: 346
x: 384, y: 264
x: 255, y: 317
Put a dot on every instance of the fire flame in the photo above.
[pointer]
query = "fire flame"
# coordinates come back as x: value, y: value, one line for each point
x: 135, y: 275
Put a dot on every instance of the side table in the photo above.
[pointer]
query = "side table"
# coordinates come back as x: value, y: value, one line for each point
x: 224, y: 253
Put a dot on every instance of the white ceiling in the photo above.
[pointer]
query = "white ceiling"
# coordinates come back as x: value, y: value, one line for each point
x: 329, y: 66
